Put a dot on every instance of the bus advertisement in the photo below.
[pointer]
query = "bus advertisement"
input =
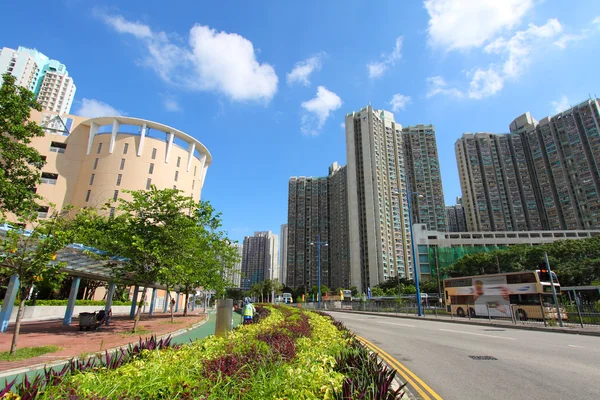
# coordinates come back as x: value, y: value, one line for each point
x: 520, y: 294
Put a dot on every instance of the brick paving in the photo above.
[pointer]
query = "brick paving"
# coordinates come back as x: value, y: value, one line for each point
x: 76, y: 343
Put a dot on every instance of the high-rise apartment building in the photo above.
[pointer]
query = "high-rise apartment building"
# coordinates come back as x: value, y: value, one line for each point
x: 283, y: 255
x: 259, y: 259
x: 234, y: 275
x: 379, y: 236
x: 308, y: 221
x: 47, y: 79
x: 318, y: 210
x: 423, y: 169
x: 542, y: 176
x: 456, y: 219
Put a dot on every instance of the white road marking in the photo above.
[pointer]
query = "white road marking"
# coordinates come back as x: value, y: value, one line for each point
x: 478, y: 334
x: 573, y: 345
x: 394, y: 323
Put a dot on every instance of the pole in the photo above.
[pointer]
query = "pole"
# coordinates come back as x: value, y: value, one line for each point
x: 560, y: 323
x: 319, y: 271
x: 412, y: 242
x: 437, y: 269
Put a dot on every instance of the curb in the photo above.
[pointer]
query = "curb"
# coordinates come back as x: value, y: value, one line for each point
x: 63, y: 361
x: 491, y: 324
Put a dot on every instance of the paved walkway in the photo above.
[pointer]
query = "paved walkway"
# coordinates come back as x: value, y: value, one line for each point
x: 76, y: 343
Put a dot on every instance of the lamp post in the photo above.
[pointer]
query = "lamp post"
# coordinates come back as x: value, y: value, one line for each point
x: 319, y: 244
x: 412, y: 242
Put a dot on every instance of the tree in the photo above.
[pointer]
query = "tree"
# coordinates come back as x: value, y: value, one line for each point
x: 20, y: 163
x: 31, y: 258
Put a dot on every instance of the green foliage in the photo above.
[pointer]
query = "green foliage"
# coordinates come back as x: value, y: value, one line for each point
x: 20, y: 163
x: 28, y: 352
x: 77, y: 303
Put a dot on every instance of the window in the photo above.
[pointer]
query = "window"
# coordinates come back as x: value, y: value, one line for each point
x: 148, y: 183
x: 99, y: 148
x: 115, y: 195
x: 96, y: 163
x: 154, y: 154
x: 119, y: 179
x: 49, y: 178
x: 125, y: 148
x: 57, y: 147
x: 92, y: 179
x: 175, y: 187
x: 195, y: 167
x: 122, y: 164
x: 151, y: 169
x: 112, y: 212
x: 176, y: 175
x: 43, y: 212
x: 87, y: 196
x: 193, y: 183
x: 178, y: 161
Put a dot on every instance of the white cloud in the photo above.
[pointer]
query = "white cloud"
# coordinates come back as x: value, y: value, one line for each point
x: 596, y: 20
x: 485, y: 83
x: 377, y: 69
x: 171, y: 104
x: 303, y: 69
x: 437, y: 85
x: 317, y: 110
x: 570, y: 37
x: 399, y: 102
x: 213, y: 61
x: 462, y: 24
x: 92, y: 108
x: 561, y: 105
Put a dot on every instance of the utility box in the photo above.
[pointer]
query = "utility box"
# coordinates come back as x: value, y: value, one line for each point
x: 224, y: 317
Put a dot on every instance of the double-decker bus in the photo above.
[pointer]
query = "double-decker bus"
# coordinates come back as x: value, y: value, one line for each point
x: 520, y: 294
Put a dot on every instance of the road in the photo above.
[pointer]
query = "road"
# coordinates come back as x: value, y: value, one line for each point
x: 528, y: 365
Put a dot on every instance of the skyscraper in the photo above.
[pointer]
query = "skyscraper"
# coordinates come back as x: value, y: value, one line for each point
x: 423, y: 170
x: 318, y: 209
x: 283, y: 255
x: 259, y: 259
x: 47, y: 79
x: 542, y: 176
x: 233, y: 275
x: 308, y: 221
x: 379, y: 237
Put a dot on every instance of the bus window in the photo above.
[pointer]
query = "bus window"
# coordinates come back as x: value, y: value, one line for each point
x: 525, y: 277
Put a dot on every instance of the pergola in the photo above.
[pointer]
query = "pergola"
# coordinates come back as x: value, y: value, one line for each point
x: 80, y: 263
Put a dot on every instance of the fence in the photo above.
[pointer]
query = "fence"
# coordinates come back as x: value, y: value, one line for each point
x: 572, y: 314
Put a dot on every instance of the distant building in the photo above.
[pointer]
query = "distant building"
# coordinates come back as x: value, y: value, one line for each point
x: 233, y: 275
x: 457, y: 221
x: 541, y: 176
x: 47, y: 79
x: 259, y: 260
x: 339, y: 245
x: 423, y: 171
x: 283, y: 255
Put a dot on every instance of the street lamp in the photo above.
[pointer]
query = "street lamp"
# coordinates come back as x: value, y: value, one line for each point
x: 412, y: 242
x: 319, y: 244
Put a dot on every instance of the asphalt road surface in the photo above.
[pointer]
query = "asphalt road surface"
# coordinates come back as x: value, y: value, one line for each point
x: 527, y: 365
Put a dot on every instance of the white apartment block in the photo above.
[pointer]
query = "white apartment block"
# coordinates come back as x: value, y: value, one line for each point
x: 21, y: 65
x: 57, y: 92
x: 380, y: 244
x: 283, y: 254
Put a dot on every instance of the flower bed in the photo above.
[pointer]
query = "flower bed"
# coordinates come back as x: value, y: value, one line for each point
x: 290, y: 354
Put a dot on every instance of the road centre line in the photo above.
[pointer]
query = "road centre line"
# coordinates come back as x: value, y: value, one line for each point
x: 405, y: 372
x: 478, y: 334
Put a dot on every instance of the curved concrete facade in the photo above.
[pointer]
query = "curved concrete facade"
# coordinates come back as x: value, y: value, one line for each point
x: 103, y: 156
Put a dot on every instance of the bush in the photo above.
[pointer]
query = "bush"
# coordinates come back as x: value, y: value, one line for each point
x: 65, y: 302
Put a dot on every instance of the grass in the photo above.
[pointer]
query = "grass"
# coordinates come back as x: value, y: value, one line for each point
x: 171, y: 323
x: 28, y: 352
x: 138, y: 332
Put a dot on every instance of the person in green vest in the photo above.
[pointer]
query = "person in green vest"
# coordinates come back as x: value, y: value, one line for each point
x: 248, y: 312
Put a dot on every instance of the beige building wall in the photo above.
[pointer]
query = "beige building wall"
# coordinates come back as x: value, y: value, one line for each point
x: 106, y: 163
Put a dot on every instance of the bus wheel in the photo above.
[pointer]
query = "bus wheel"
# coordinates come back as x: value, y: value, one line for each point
x: 472, y: 312
x: 460, y: 312
x: 522, y: 314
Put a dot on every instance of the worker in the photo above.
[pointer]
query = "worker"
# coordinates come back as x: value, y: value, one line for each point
x: 248, y: 312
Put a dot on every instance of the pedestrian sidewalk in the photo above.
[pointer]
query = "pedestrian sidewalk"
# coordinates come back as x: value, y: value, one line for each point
x: 591, y: 331
x: 76, y: 343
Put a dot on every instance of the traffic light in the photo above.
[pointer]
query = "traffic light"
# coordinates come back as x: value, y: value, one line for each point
x: 544, y: 273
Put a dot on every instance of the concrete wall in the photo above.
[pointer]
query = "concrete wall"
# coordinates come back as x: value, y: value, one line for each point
x: 43, y: 313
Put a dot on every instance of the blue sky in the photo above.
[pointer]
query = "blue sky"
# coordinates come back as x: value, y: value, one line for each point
x: 266, y: 85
